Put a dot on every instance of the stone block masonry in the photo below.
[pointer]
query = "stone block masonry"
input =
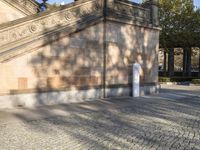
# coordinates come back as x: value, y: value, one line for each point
x: 85, y: 55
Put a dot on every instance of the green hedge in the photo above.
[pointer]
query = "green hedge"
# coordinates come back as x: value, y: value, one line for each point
x: 179, y: 79
x: 196, y: 81
x: 164, y: 79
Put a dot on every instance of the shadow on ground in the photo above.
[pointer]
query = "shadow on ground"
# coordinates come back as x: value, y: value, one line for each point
x: 168, y: 120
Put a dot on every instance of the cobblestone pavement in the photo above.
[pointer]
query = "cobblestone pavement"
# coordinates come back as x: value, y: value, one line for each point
x: 170, y: 120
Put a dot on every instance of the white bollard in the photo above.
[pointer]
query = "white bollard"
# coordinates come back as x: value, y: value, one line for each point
x: 136, y: 80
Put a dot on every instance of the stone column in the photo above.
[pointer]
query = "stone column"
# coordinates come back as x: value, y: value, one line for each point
x: 187, y: 61
x: 199, y: 63
x: 171, y: 62
x: 165, y: 64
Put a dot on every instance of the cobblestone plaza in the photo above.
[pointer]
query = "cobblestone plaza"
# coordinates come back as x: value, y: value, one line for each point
x: 169, y: 120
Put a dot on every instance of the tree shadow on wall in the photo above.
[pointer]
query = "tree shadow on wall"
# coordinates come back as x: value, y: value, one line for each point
x: 70, y: 60
x: 128, y: 44
x: 68, y: 64
x: 75, y: 62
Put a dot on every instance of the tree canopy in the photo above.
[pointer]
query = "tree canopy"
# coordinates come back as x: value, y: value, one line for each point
x: 180, y: 24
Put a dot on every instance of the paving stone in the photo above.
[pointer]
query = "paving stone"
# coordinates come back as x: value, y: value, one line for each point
x: 148, y: 123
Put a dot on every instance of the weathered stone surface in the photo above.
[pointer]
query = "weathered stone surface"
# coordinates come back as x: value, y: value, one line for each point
x: 59, y: 64
x: 124, y: 11
x: 14, y: 9
x: 27, y: 7
x: 79, y: 47
x: 22, y: 83
x: 7, y: 13
x: 39, y: 25
x: 31, y: 27
x: 131, y: 44
x: 79, y: 55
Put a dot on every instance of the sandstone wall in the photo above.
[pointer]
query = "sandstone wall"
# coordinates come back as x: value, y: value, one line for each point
x: 128, y: 44
x: 8, y: 13
x: 70, y: 62
x: 76, y: 61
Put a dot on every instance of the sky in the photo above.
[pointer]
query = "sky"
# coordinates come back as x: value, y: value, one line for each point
x: 196, y: 2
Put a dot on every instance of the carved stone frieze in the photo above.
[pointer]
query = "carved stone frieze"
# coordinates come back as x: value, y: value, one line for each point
x: 28, y: 7
x: 23, y: 31
x: 48, y: 22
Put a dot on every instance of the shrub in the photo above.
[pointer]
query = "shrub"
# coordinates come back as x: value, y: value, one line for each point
x: 164, y: 79
x: 181, y: 79
x: 196, y: 81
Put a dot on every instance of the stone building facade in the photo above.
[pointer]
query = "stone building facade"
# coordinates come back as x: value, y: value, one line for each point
x: 14, y: 9
x: 79, y: 51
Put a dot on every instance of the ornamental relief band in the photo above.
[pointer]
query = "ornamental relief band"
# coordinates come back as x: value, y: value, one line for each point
x: 68, y: 16
x: 27, y: 4
x: 48, y: 22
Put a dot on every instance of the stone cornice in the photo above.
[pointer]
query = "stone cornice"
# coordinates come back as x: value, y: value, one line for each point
x: 28, y: 7
x: 75, y: 16
x: 128, y: 12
